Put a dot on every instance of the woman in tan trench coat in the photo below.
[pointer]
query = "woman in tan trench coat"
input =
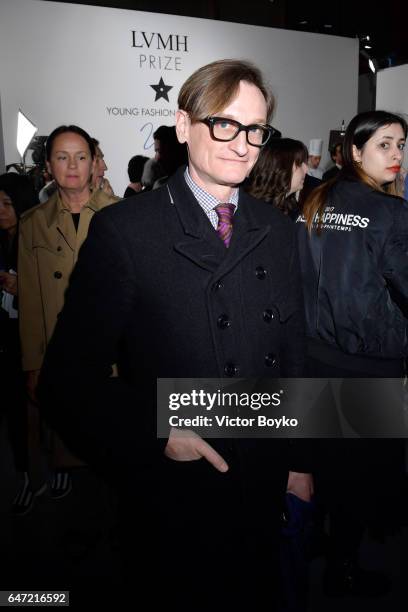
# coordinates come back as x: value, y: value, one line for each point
x: 51, y: 235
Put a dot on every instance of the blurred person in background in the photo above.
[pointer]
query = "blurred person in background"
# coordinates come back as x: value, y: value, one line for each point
x: 99, y: 181
x: 337, y: 158
x: 279, y: 174
x: 135, y: 171
x: 17, y: 194
x: 315, y: 156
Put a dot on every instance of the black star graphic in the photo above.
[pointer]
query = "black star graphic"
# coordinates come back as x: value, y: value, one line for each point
x: 161, y: 90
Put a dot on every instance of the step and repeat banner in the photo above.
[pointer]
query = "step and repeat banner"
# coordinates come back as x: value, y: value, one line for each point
x: 117, y: 73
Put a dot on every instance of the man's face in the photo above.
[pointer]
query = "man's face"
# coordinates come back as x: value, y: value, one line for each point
x: 219, y: 166
x: 314, y: 161
x: 163, y: 154
x: 157, y: 149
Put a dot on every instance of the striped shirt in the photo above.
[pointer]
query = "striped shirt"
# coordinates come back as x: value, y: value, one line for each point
x: 207, y: 201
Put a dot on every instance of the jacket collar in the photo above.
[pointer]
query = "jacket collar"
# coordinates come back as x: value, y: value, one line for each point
x: 54, y: 208
x: 201, y: 243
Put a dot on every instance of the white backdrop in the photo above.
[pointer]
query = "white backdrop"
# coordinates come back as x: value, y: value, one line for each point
x: 392, y: 89
x: 94, y: 66
x: 392, y: 92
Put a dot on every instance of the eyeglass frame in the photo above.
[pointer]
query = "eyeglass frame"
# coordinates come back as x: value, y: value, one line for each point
x: 209, y: 121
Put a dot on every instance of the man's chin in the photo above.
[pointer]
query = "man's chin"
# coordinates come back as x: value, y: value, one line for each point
x: 232, y: 179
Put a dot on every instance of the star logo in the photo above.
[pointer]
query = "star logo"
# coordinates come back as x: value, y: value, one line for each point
x: 161, y: 90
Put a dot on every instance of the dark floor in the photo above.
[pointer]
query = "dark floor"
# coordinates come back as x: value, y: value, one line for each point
x: 71, y: 544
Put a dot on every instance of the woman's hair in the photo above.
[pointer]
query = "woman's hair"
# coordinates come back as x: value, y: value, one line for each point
x: 271, y: 177
x: 21, y: 191
x: 360, y: 129
x: 211, y: 88
x: 63, y: 129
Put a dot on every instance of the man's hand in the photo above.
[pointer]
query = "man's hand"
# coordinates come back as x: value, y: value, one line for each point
x: 185, y: 445
x: 8, y: 282
x: 301, y: 485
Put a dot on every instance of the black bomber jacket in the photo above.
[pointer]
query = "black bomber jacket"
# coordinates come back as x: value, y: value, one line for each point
x: 355, y: 272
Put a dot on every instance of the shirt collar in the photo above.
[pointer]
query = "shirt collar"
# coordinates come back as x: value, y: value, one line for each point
x: 205, y: 199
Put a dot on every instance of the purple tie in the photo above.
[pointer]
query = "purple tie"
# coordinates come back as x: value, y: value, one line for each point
x: 225, y: 213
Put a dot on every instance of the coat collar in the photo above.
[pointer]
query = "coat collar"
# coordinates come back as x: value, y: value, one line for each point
x: 54, y: 208
x: 201, y: 243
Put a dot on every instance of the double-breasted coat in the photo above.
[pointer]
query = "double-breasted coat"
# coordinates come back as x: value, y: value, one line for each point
x: 156, y: 291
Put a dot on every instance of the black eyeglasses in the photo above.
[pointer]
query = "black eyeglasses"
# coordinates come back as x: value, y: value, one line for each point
x: 225, y: 130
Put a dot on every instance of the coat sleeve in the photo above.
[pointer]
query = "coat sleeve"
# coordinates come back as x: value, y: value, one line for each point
x: 107, y: 422
x: 395, y: 256
x: 31, y: 317
x: 293, y: 343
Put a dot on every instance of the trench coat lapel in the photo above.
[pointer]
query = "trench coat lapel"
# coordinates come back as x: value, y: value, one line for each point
x: 58, y: 216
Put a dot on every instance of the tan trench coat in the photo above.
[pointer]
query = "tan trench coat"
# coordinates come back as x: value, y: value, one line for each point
x: 48, y: 251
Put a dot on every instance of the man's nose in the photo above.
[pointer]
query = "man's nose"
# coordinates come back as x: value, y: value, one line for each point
x: 240, y: 143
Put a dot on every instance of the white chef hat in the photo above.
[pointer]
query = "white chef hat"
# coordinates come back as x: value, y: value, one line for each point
x: 315, y: 146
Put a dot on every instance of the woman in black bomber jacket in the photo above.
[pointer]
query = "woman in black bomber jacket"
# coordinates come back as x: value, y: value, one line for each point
x: 353, y: 240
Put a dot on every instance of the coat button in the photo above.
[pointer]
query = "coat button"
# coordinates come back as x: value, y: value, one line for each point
x: 217, y: 286
x: 223, y: 321
x: 268, y: 315
x: 230, y: 369
x: 260, y: 272
x: 59, y: 248
x: 57, y: 274
x: 270, y: 360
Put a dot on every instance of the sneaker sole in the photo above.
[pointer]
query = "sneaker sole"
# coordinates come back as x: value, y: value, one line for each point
x: 28, y: 509
x: 67, y: 491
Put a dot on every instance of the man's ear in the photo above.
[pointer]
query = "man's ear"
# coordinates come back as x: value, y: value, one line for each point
x: 356, y: 154
x: 182, y: 126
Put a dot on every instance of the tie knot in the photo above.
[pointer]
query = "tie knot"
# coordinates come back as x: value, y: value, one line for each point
x: 225, y: 212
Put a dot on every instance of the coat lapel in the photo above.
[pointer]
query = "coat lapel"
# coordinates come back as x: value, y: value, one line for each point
x: 201, y: 243
x: 59, y: 217
x: 248, y: 232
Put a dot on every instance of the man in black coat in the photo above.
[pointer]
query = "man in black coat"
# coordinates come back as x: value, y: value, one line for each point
x: 337, y: 156
x: 163, y: 289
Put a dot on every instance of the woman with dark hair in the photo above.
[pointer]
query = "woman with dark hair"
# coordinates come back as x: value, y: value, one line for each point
x: 279, y: 173
x: 353, y: 240
x: 17, y: 194
x: 50, y: 237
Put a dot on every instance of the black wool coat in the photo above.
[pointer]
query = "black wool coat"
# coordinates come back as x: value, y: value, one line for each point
x: 156, y: 291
